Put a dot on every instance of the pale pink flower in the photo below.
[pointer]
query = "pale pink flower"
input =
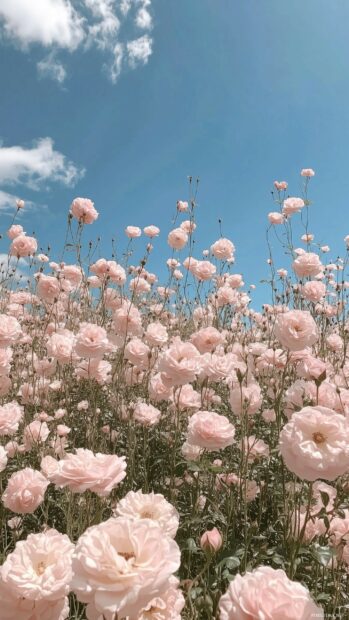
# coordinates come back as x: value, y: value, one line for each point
x: 307, y: 264
x: 138, y: 353
x: 151, y: 231
x: 48, y: 288
x: 14, y: 231
x: 223, y: 249
x: 35, y: 433
x: 314, y: 290
x: 281, y: 185
x: 94, y: 369
x: 203, y: 270
x: 147, y: 415
x: 39, y: 568
x: 11, y: 414
x: 99, y: 473
x: 22, y: 246
x: 91, y: 341
x: 3, y: 458
x: 211, y: 540
x: 149, y: 506
x: 83, y: 210
x: 296, y: 329
x: 182, y: 205
x: 191, y: 452
x: 177, y: 238
x: 60, y: 345
x: 127, y: 320
x: 121, y: 564
x: 187, y: 398
x: 255, y: 448
x: 307, y: 172
x: 210, y: 430
x: 314, y: 444
x: 180, y: 363
x: 25, y: 491
x: 247, y: 399
x: 292, y: 205
x: 10, y: 330
x: 166, y: 606
x: 156, y: 334
x: 132, y: 232
x: 266, y: 593
x: 207, y: 339
x: 276, y: 218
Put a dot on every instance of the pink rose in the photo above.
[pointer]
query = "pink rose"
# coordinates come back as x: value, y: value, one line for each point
x: 314, y: 444
x: 132, y: 232
x: 136, y: 553
x: 11, y: 414
x: 91, y: 341
x: 210, y: 430
x: 14, y: 231
x: 10, y: 330
x: 292, y: 205
x: 147, y: 415
x: 270, y: 594
x: 180, y: 363
x: 307, y: 264
x: 151, y: 231
x: 246, y: 399
x: 207, y: 339
x: 276, y: 218
x: 99, y: 473
x: 223, y: 249
x: 307, y: 172
x: 296, y: 330
x: 149, y: 506
x: 23, y: 246
x: 211, y: 540
x: 25, y: 491
x: 83, y: 210
x: 177, y: 238
x: 313, y: 290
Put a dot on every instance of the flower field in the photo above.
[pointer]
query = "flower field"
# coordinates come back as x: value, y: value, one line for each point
x: 167, y: 451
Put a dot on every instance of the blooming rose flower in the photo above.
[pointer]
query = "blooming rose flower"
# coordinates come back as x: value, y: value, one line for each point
x: 296, y: 329
x: 121, y: 564
x: 149, y: 506
x: 83, y: 210
x: 276, y: 218
x: 10, y: 330
x: 156, y: 334
x: 177, y: 238
x: 314, y: 290
x: 151, y: 231
x: 14, y: 231
x: 307, y: 172
x: 48, y: 288
x: 180, y: 363
x: 99, y: 473
x: 182, y: 205
x: 207, y: 339
x: 132, y: 232
x: 292, y: 205
x: 25, y: 491
x: 147, y: 415
x: 281, y: 185
x: 246, y: 399
x: 223, y: 249
x: 18, y: 608
x: 60, y: 345
x: 23, y: 246
x: 210, y: 430
x: 307, y: 264
x: 267, y: 593
x: 314, y: 444
x: 91, y: 341
x: 11, y: 414
x: 203, y: 270
x: 35, y: 433
x: 138, y: 353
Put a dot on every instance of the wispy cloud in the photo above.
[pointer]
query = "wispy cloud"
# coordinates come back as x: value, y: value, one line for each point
x: 36, y: 165
x: 51, y: 68
x: 110, y: 26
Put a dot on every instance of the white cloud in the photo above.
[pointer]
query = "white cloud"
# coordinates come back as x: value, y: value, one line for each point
x: 48, y: 22
x: 12, y: 268
x: 35, y: 165
x: 51, y: 68
x: 139, y: 51
x: 107, y: 25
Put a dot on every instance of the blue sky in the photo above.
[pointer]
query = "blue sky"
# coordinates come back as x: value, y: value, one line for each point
x: 236, y: 92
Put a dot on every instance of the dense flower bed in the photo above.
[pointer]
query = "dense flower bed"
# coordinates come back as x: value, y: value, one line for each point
x: 170, y: 454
